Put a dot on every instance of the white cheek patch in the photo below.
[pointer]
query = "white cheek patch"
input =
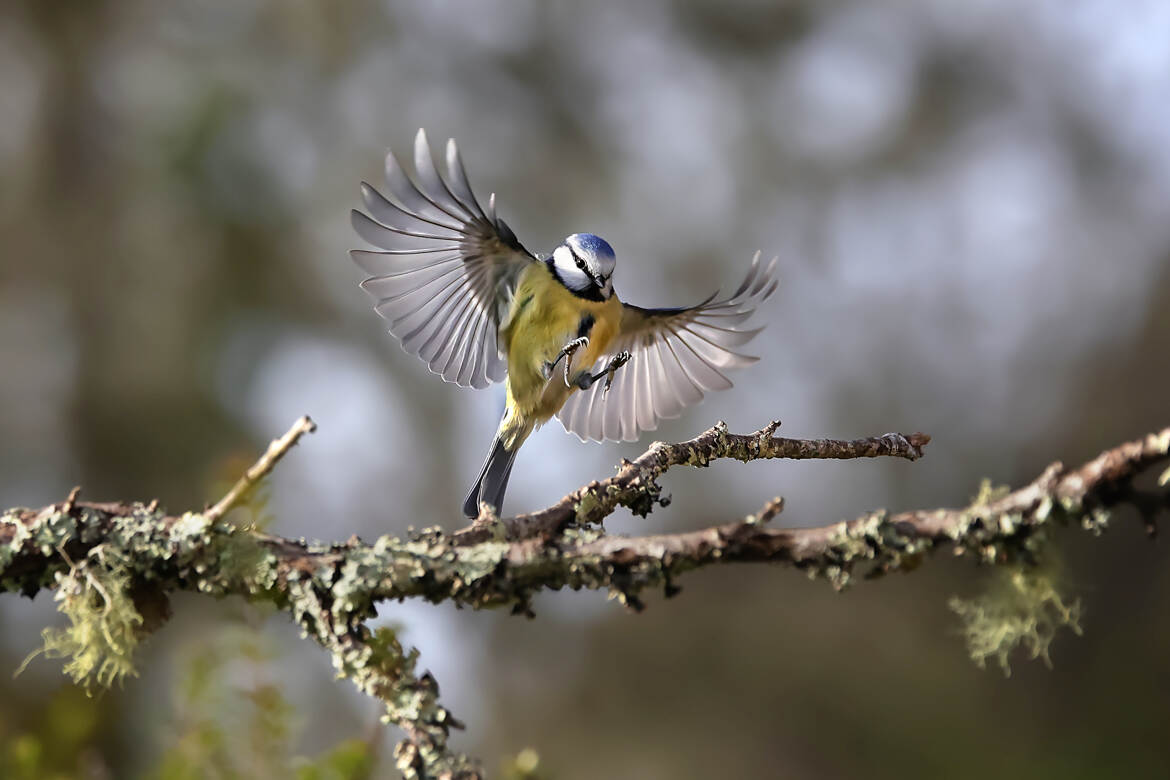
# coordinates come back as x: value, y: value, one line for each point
x: 573, y: 277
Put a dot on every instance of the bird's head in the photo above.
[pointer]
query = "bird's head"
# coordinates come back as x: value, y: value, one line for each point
x: 585, y: 263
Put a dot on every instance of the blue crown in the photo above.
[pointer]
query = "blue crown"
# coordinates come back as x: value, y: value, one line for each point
x: 595, y: 245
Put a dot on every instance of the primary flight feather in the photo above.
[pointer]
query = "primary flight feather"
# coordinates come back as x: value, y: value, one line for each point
x: 460, y: 291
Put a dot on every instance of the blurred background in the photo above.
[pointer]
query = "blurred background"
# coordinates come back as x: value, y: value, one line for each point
x: 971, y: 203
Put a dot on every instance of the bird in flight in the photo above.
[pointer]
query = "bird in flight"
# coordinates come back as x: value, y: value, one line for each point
x: 460, y: 291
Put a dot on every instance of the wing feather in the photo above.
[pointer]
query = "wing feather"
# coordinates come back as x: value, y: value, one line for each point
x: 444, y: 330
x: 386, y: 236
x: 446, y: 270
x: 702, y: 373
x: 433, y: 188
x: 457, y: 176
x: 389, y: 213
x: 685, y: 388
x: 677, y: 355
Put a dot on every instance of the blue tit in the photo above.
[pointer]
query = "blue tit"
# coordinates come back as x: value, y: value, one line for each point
x: 460, y: 291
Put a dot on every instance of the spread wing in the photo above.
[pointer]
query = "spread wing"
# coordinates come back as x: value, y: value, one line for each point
x: 447, y: 268
x: 675, y: 356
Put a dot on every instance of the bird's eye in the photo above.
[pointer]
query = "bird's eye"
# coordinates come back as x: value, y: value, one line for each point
x: 580, y: 263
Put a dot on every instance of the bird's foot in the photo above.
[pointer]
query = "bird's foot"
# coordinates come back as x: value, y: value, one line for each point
x: 586, y: 380
x: 616, y: 362
x: 566, y: 352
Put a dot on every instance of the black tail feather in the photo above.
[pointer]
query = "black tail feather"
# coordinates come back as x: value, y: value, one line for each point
x: 493, y: 480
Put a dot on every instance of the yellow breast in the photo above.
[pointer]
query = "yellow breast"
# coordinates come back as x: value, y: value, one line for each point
x: 544, y: 317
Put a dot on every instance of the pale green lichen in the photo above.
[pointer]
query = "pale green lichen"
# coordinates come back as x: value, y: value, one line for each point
x: 989, y: 493
x: 871, y: 539
x: 104, y: 625
x: 1021, y: 609
x: 1096, y: 520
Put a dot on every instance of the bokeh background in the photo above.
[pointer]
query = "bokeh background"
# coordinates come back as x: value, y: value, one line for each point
x: 971, y: 203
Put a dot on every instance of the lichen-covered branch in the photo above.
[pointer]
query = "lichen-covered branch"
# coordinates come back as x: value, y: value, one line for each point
x: 129, y: 552
x: 118, y: 560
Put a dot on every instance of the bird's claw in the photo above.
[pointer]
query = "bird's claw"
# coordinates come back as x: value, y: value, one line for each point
x: 567, y: 353
x: 619, y: 360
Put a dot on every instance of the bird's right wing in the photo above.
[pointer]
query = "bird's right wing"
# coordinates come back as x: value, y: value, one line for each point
x: 448, y: 268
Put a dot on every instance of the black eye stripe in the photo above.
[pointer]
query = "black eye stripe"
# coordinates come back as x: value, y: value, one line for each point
x: 581, y: 264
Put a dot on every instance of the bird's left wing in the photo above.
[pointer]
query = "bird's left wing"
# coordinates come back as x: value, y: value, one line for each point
x: 675, y: 356
x: 448, y: 268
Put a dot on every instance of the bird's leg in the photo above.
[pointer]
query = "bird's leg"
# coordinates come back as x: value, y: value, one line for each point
x: 566, y: 353
x: 585, y: 381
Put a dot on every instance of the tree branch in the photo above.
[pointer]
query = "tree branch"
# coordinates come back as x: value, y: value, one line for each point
x: 331, y: 590
x: 635, y: 486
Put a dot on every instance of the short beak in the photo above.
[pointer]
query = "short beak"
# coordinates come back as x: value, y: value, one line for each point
x: 608, y: 289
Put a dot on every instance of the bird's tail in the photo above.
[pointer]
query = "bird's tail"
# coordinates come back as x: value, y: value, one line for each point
x: 493, y: 479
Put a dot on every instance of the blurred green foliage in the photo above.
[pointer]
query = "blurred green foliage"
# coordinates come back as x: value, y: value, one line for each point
x: 225, y: 730
x: 59, y: 743
x: 525, y: 765
x: 220, y: 729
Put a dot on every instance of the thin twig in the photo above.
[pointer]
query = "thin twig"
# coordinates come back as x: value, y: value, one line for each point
x: 635, y: 485
x: 67, y: 507
x: 260, y: 468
